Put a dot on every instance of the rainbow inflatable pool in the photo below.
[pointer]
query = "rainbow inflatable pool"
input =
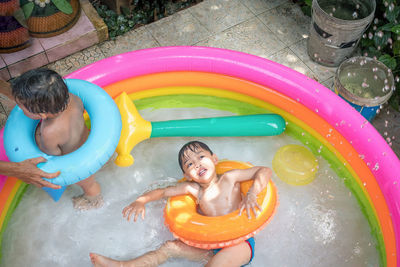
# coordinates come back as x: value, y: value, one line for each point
x: 315, y: 116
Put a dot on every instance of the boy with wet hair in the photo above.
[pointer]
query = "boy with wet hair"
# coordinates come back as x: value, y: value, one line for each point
x: 43, y: 95
x: 216, y: 195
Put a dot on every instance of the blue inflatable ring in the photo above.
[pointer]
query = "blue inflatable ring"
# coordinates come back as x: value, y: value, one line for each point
x: 20, y: 144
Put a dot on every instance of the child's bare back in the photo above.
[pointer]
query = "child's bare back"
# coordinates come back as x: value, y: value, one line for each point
x: 65, y: 132
x: 43, y: 95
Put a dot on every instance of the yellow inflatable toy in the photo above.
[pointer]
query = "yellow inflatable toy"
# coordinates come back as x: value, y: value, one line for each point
x: 295, y: 165
x: 135, y: 129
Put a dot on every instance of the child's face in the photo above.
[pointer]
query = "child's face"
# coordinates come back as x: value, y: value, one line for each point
x: 199, y: 165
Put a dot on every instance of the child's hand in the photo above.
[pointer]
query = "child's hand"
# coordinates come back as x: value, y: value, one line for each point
x: 135, y: 209
x: 249, y: 202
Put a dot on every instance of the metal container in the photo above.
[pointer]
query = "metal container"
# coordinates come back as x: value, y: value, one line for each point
x: 365, y: 84
x: 336, y: 28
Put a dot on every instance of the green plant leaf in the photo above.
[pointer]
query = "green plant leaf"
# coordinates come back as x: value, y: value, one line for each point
x: 396, y: 48
x: 389, y: 61
x: 392, y: 13
x: 381, y: 41
x: 306, y: 10
x: 308, y: 2
x: 373, y: 52
x: 125, y: 11
x: 20, y: 17
x: 28, y: 8
x: 394, y: 102
x: 396, y: 29
x: 23, y: 2
x: 63, y: 6
x: 386, y: 27
x: 366, y: 42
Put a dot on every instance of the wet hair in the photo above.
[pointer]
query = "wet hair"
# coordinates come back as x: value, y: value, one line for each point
x: 192, y: 146
x: 41, y: 91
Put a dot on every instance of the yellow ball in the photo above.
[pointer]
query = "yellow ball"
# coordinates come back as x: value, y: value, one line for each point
x: 295, y: 165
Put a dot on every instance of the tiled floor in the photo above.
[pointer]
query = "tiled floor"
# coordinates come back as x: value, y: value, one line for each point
x: 43, y: 51
x: 273, y: 29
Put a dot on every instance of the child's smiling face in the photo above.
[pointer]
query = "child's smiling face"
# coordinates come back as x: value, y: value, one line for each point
x: 199, y: 165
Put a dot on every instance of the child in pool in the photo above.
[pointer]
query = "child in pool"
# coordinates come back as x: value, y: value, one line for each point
x: 43, y: 95
x: 216, y: 195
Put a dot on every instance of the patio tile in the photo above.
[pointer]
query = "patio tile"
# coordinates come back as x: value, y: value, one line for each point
x: 330, y: 84
x: 95, y: 19
x: 81, y: 28
x: 34, y: 49
x: 323, y: 73
x: 214, y: 16
x: 3, y: 119
x: 260, y: 6
x: 72, y: 46
x: 6, y: 105
x: 289, y: 59
x: 77, y: 60
x: 2, y: 63
x: 249, y: 37
x: 287, y: 22
x: 133, y: 40
x: 30, y: 63
x: 182, y: 28
x: 4, y: 74
x: 387, y: 122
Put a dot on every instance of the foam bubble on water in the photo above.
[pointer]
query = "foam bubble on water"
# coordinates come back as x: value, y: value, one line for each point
x: 323, y: 222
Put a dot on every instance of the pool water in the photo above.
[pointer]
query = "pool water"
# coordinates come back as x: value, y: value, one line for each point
x: 319, y: 224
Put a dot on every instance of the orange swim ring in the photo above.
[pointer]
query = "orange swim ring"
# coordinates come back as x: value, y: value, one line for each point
x: 206, y: 232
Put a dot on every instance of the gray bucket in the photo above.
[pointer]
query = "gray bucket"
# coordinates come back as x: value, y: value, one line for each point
x: 365, y: 83
x: 336, y: 28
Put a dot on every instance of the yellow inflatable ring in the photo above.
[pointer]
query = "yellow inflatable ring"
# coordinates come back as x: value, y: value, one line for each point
x: 206, y: 232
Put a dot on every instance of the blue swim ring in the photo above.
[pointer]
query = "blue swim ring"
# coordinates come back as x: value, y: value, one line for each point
x: 105, y: 119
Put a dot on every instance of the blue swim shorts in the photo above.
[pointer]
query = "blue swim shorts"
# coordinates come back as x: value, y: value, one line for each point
x: 249, y: 241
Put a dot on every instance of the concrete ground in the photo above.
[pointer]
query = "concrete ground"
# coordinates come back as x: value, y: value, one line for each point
x: 272, y: 29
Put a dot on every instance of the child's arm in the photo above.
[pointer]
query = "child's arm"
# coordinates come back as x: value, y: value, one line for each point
x: 138, y: 206
x: 261, y: 176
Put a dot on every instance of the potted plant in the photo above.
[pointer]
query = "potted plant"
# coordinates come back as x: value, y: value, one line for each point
x: 46, y: 18
x: 13, y: 32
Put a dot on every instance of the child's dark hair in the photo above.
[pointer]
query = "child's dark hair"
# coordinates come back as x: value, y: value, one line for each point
x: 41, y: 91
x: 192, y: 146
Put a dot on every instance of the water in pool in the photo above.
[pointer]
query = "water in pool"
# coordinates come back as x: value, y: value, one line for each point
x: 319, y: 224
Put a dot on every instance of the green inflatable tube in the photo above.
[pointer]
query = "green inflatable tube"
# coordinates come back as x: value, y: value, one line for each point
x: 245, y: 125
